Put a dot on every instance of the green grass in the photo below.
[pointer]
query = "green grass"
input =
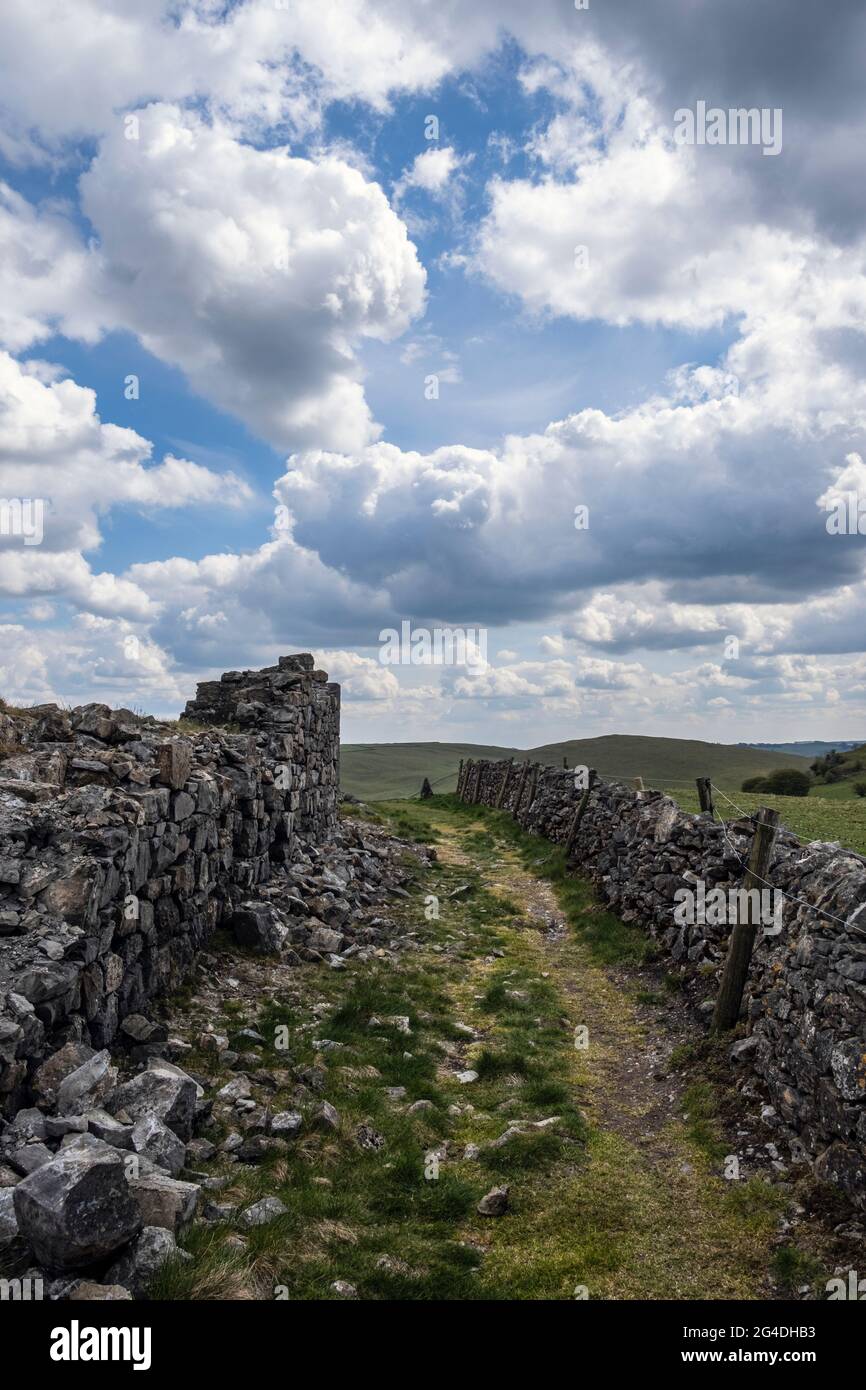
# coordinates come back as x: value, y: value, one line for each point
x: 814, y: 817
x: 610, y: 940
x: 587, y: 1205
x: 379, y: 771
x: 701, y: 1110
x: 793, y: 1268
x: 382, y: 1204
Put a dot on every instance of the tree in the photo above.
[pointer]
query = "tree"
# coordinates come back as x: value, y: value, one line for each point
x: 785, y: 781
x: 789, y: 781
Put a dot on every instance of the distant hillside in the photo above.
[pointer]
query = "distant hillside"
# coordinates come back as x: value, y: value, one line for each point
x: 380, y: 771
x: 805, y: 749
x: 836, y: 773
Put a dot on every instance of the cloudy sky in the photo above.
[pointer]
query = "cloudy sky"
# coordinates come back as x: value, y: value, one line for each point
x: 318, y: 316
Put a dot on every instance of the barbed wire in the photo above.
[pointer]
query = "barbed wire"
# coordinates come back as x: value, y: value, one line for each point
x: 790, y: 897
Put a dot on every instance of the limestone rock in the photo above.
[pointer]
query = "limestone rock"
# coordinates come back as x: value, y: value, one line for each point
x: 171, y: 1098
x: 165, y: 1201
x: 76, y: 1209
x: 161, y: 1145
x: 143, y: 1259
x: 262, y: 1212
x: 254, y: 925
x: 494, y: 1202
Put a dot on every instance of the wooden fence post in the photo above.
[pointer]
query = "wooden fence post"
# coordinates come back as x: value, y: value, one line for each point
x: 476, y: 794
x: 637, y: 783
x: 743, y: 935
x: 506, y: 778
x: 705, y: 796
x: 579, y: 813
x: 518, y: 796
x: 533, y: 786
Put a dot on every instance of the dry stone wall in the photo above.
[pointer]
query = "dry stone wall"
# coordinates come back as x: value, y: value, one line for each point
x: 124, y: 843
x: 805, y: 1007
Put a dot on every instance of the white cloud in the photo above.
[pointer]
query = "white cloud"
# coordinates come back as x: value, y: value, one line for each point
x: 92, y: 658
x: 56, y: 451
x: 433, y: 171
x: 45, y: 277
x: 254, y: 272
x: 257, y: 63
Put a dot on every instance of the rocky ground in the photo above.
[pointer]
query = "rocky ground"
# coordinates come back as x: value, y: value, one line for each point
x: 416, y: 1073
x: 105, y: 1170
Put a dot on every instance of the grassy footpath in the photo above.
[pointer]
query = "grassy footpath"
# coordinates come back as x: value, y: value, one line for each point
x: 615, y: 1190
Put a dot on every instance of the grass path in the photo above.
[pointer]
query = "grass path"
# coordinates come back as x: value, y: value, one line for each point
x: 612, y: 1159
x: 641, y: 1214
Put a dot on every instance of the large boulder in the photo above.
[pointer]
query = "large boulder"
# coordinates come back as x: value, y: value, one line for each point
x: 255, y: 925
x: 171, y: 1098
x: 77, y: 1209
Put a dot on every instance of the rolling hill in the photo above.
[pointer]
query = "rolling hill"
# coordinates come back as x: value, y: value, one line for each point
x: 805, y: 748
x: 384, y: 771
x: 837, y: 781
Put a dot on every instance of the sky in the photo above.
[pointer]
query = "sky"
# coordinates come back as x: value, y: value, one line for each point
x: 323, y: 317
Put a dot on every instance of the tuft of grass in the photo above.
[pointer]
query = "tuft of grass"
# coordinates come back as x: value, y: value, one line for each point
x: 702, y: 1126
x: 792, y: 1268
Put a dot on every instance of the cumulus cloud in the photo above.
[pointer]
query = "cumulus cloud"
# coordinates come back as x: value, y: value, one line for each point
x: 56, y: 453
x: 258, y: 63
x: 433, y: 172
x: 254, y: 272
x: 45, y: 275
x: 93, y: 657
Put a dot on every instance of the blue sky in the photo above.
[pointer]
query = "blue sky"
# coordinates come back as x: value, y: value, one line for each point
x: 283, y: 259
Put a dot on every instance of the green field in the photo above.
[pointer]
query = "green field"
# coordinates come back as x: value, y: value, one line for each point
x: 384, y: 771
x: 810, y: 817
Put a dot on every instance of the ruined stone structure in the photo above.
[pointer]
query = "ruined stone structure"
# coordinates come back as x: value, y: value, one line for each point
x: 805, y: 1009
x: 124, y: 843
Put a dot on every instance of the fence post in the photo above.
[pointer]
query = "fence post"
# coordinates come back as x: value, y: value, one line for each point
x: 467, y: 779
x: 579, y: 813
x: 459, y: 778
x: 518, y: 797
x: 533, y: 786
x: 503, y: 788
x: 743, y: 934
x: 479, y: 766
x: 637, y: 783
x: 705, y: 796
